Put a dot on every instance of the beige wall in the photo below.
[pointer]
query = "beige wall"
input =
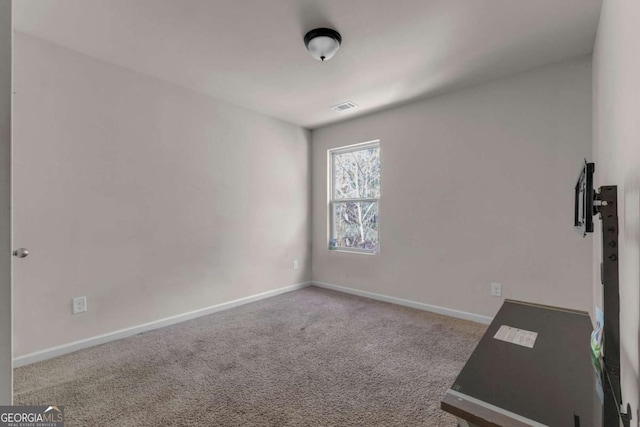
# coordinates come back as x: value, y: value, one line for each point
x: 477, y: 187
x: 616, y: 151
x: 148, y: 198
x: 5, y: 200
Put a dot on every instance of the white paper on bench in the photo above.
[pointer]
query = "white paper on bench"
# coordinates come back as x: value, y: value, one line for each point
x: 516, y: 336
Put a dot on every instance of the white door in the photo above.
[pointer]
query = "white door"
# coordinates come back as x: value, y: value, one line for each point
x: 6, y: 32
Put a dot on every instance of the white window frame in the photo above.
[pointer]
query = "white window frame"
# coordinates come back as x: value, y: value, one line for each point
x: 331, y: 164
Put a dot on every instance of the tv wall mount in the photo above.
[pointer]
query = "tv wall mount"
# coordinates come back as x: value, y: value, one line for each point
x: 605, y: 204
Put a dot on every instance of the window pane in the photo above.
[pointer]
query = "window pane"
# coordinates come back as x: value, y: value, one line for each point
x: 356, y: 225
x: 357, y: 174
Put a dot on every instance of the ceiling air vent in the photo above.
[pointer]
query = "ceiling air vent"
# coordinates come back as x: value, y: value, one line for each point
x: 344, y: 106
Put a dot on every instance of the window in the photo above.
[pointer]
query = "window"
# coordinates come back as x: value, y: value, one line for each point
x: 355, y: 197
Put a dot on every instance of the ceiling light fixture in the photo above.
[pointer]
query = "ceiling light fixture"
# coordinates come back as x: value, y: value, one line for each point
x: 322, y: 43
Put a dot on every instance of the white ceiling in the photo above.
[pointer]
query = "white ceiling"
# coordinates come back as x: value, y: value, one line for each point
x: 250, y: 52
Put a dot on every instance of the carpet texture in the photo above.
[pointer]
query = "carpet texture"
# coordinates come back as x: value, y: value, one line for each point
x: 312, y: 357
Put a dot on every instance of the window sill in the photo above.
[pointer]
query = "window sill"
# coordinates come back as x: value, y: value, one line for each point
x: 354, y: 251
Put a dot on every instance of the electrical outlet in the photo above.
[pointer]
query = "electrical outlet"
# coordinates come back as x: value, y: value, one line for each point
x: 296, y: 264
x: 496, y: 289
x: 79, y: 305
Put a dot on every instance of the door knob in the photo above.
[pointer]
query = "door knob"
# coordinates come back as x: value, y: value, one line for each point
x: 21, y: 253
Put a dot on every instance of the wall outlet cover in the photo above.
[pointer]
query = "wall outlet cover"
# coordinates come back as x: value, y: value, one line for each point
x: 79, y: 305
x: 496, y: 289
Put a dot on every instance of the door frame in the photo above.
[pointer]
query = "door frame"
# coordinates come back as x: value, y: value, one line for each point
x: 6, y: 64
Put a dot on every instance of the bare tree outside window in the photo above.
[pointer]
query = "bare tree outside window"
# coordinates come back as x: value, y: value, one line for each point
x: 355, y: 195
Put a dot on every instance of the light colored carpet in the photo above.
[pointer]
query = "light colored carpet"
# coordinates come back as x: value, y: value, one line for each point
x: 312, y: 357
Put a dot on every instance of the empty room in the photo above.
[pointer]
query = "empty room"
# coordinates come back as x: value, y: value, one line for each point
x: 320, y: 213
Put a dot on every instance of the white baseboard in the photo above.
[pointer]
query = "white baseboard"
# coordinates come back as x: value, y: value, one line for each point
x: 124, y: 333
x: 413, y: 304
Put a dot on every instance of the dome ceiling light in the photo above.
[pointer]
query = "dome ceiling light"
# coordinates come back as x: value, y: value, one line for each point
x: 322, y: 43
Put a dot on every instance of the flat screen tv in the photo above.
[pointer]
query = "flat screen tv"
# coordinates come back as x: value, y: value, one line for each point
x: 584, y: 206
